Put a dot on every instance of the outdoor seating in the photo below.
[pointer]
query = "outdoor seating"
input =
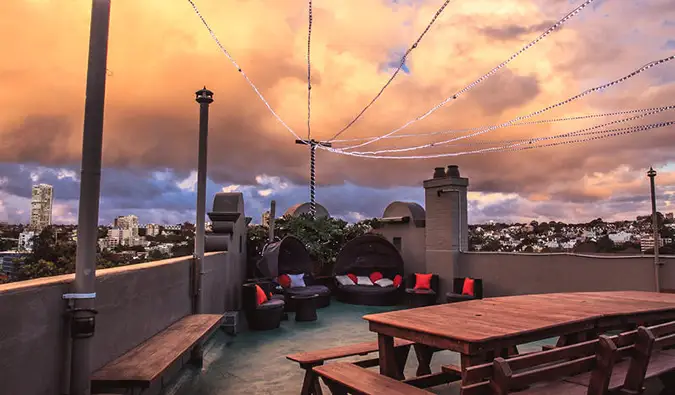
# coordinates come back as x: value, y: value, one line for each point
x: 163, y: 354
x: 343, y: 378
x: 289, y: 257
x: 310, y: 359
x: 418, y: 292
x: 465, y: 288
x: 261, y: 313
x: 369, y: 271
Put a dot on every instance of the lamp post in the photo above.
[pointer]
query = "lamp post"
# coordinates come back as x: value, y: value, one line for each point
x: 82, y: 298
x: 312, y: 170
x: 655, y: 228
x: 204, y: 97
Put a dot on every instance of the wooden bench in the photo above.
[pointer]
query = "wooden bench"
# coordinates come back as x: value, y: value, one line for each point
x: 310, y: 359
x: 661, y: 363
x: 149, y: 362
x: 594, y: 360
x: 343, y: 378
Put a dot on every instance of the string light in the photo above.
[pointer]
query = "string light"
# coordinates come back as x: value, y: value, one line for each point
x: 398, y: 69
x: 309, y: 72
x: 530, y: 115
x: 541, y: 121
x: 551, y: 29
x: 579, y: 132
x: 519, y: 146
x: 241, y: 71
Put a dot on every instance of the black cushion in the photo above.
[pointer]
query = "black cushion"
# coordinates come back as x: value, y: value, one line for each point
x: 321, y: 290
x: 367, y: 289
x: 420, y: 291
x: 271, y: 304
x: 278, y: 296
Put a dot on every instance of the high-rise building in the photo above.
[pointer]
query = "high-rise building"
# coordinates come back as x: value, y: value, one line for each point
x: 265, y: 220
x: 41, y: 206
x: 127, y: 222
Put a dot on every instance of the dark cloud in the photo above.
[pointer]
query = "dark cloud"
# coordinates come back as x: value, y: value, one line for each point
x: 515, y: 32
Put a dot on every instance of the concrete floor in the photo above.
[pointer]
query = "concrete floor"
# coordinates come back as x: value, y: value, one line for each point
x: 255, y: 363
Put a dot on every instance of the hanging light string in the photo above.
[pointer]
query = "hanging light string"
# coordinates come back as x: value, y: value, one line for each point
x: 239, y: 69
x: 579, y: 132
x: 550, y: 30
x: 398, y: 69
x: 309, y: 72
x: 522, y: 117
x: 526, y: 145
x: 542, y: 121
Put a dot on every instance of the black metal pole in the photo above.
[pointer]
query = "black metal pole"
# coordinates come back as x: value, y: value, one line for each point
x: 90, y: 190
x: 655, y: 229
x: 204, y: 98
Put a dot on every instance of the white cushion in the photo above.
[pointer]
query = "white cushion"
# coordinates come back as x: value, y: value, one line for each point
x: 363, y: 280
x: 385, y: 282
x: 344, y: 280
x: 297, y: 280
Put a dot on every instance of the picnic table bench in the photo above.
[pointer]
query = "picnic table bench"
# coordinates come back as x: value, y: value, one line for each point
x: 343, y: 378
x: 310, y: 359
x: 148, y: 363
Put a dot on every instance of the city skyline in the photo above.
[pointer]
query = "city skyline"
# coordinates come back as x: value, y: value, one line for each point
x: 252, y: 153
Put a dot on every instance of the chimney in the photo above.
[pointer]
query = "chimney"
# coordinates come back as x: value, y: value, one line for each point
x: 447, y: 229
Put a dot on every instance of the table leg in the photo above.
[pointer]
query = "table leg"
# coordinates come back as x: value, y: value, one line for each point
x: 471, y: 360
x: 424, y: 354
x: 388, y: 363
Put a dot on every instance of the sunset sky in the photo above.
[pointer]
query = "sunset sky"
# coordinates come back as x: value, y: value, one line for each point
x: 160, y: 54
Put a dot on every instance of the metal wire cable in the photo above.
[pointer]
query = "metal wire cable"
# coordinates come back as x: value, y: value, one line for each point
x: 542, y: 121
x: 519, y: 146
x: 550, y: 30
x: 398, y: 69
x: 579, y: 132
x: 309, y: 72
x: 222, y: 48
x: 530, y: 115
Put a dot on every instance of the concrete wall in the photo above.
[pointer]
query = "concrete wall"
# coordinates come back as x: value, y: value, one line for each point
x: 516, y: 274
x: 134, y: 303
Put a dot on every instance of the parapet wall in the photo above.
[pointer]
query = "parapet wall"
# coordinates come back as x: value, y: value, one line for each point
x: 134, y: 303
x: 518, y: 273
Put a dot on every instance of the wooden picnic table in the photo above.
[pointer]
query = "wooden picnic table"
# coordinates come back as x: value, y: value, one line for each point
x: 482, y: 329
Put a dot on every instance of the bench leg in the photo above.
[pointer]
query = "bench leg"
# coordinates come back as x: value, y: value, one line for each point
x: 311, y: 384
x: 424, y: 354
x: 401, y: 356
x: 335, y: 388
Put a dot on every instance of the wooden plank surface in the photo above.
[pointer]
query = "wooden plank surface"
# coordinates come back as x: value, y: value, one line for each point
x: 365, y: 381
x: 488, y: 319
x: 151, y: 358
x: 310, y: 357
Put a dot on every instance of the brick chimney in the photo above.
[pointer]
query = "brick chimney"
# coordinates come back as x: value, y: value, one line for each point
x: 447, y: 229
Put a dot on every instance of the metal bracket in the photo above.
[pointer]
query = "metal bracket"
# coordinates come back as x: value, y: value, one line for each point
x: 79, y: 296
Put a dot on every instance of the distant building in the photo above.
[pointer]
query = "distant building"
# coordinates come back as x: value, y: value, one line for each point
x: 152, y: 230
x: 265, y: 220
x: 26, y: 240
x: 622, y: 237
x: 7, y: 264
x: 42, y: 200
x: 647, y: 243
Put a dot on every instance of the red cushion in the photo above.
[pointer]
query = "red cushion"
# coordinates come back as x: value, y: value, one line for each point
x: 260, y: 295
x: 423, y: 281
x: 398, y: 280
x: 468, y: 288
x: 352, y: 277
x: 375, y: 276
x: 284, y: 281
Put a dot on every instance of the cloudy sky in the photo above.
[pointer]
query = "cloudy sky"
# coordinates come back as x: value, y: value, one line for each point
x: 160, y: 53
